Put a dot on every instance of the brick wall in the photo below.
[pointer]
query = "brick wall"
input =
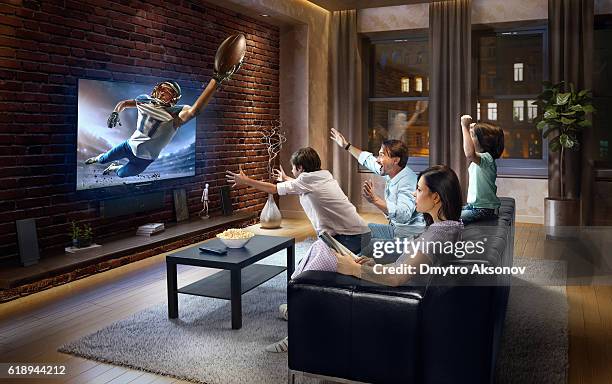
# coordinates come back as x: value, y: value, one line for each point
x: 46, y: 46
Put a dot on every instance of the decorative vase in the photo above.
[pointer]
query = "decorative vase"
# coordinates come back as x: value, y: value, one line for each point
x: 270, y: 217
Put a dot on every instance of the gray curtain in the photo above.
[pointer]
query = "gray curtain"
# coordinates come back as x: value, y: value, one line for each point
x: 346, y: 99
x: 570, y: 25
x: 450, y: 45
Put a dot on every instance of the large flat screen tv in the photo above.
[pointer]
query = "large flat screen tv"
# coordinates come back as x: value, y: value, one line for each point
x: 96, y: 101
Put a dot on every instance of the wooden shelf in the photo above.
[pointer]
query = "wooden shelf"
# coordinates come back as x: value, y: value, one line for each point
x: 52, y: 266
x: 219, y: 287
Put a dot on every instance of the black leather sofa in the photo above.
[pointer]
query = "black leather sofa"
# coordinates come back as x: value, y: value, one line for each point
x: 436, y: 330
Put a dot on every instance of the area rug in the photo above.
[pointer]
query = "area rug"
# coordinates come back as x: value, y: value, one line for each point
x: 201, y: 347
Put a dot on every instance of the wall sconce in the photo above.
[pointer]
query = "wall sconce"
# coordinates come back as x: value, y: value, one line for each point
x: 405, y: 84
x: 418, y: 84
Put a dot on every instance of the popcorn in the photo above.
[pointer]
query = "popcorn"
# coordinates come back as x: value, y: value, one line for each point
x: 235, y: 234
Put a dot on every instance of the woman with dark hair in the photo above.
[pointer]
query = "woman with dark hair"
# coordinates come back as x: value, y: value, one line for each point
x: 438, y: 197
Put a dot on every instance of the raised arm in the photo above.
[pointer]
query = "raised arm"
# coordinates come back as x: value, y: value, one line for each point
x: 339, y: 139
x: 124, y: 104
x: 190, y: 112
x: 468, y: 142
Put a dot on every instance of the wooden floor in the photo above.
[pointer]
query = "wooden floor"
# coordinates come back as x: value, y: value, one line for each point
x: 32, y: 327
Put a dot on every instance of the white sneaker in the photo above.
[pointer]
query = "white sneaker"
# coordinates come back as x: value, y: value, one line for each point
x: 283, y: 310
x: 113, y: 167
x: 279, y: 347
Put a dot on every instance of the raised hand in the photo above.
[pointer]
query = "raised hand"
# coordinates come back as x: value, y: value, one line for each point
x: 279, y: 174
x: 421, y: 106
x: 113, y: 120
x: 466, y: 120
x: 368, y: 191
x: 237, y: 179
x: 338, y: 138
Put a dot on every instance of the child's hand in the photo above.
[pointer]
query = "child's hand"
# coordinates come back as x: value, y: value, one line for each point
x: 466, y: 120
x: 279, y: 174
x: 236, y: 179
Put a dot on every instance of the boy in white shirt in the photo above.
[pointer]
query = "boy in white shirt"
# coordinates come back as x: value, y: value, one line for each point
x: 323, y: 200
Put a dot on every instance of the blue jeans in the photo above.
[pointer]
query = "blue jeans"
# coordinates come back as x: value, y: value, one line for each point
x: 135, y: 165
x: 390, y: 232
x: 470, y: 214
x: 354, y: 242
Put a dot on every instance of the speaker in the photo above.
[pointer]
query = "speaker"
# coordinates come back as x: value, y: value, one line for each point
x: 132, y: 204
x: 226, y: 201
x: 28, y: 241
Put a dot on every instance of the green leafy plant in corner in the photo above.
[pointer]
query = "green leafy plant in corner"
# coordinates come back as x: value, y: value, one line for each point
x: 562, y: 116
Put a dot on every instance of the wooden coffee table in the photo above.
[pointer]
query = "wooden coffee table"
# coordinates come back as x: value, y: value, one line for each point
x: 240, y: 274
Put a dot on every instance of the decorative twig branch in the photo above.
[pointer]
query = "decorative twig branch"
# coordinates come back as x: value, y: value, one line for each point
x: 274, y: 138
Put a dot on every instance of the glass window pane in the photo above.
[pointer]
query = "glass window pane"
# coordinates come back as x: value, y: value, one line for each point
x: 400, y: 69
x: 602, y: 91
x: 402, y: 120
x: 511, y: 67
x: 602, y: 62
x: 510, y: 64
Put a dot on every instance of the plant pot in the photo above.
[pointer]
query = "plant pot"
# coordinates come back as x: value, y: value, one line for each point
x: 270, y: 217
x: 81, y: 242
x: 561, y: 217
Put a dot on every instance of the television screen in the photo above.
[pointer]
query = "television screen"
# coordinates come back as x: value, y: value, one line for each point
x: 142, y: 147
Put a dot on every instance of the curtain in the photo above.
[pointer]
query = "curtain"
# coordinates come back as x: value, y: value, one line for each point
x: 450, y: 52
x: 570, y: 25
x: 346, y: 99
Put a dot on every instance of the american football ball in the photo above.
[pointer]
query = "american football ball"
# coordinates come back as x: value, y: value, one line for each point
x: 229, y: 56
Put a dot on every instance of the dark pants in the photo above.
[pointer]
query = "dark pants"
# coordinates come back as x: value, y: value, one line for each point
x: 135, y: 165
x: 354, y: 242
x: 471, y: 214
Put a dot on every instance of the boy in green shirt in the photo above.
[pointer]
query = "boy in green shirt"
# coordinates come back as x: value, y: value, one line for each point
x: 482, y: 144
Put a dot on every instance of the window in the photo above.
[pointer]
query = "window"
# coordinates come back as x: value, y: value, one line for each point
x: 405, y: 85
x: 518, y: 110
x: 602, y: 87
x: 418, y: 84
x: 492, y: 111
x: 532, y: 110
x: 511, y: 67
x: 399, y: 112
x: 518, y: 71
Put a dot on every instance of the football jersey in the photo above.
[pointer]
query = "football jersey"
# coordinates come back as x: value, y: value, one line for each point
x: 154, y: 128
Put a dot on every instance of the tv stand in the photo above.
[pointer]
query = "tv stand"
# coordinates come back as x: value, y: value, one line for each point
x: 62, y: 268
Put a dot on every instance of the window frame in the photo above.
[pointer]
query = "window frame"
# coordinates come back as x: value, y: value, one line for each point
x: 368, y: 42
x: 513, y: 168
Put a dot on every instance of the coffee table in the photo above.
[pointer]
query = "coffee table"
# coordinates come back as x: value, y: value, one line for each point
x: 239, y: 274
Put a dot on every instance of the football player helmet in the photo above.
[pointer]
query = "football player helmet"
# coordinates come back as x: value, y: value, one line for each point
x: 173, y: 85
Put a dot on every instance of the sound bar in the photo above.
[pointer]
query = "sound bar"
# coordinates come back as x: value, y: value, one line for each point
x: 132, y: 204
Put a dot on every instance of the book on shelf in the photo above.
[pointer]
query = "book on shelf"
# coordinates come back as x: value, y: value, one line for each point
x: 150, y: 229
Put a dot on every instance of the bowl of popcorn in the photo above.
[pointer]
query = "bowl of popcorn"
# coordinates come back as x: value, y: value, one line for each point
x: 235, y: 238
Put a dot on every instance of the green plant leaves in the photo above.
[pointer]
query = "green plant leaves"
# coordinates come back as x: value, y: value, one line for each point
x: 563, y: 98
x: 566, y: 141
x: 588, y: 108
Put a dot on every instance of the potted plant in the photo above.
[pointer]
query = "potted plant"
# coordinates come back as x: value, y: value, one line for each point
x: 562, y: 117
x: 81, y: 235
